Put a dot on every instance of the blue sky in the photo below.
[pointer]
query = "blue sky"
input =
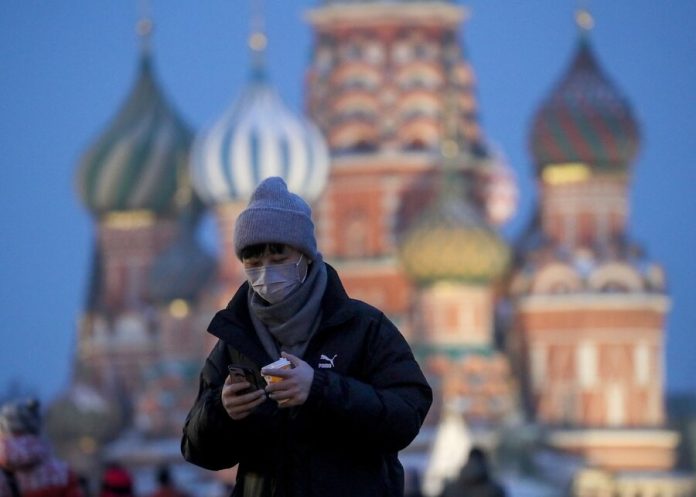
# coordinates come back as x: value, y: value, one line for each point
x: 67, y: 66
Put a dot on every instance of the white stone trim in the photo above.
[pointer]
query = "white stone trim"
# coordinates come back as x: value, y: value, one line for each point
x: 594, y: 301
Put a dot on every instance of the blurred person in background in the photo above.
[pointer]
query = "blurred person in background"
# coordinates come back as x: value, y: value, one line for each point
x: 165, y: 484
x: 116, y: 482
x: 28, y: 467
x: 353, y: 394
x: 475, y: 479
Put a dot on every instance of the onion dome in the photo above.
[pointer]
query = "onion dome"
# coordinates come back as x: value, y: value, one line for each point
x: 258, y: 137
x: 182, y: 270
x: 135, y: 164
x: 451, y: 242
x: 585, y: 120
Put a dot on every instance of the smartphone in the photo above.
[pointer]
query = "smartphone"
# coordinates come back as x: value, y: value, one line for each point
x: 240, y: 373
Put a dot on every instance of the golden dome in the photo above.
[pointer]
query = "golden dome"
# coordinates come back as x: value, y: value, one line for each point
x: 451, y: 242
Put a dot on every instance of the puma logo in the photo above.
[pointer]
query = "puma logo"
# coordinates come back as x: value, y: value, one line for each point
x: 329, y: 361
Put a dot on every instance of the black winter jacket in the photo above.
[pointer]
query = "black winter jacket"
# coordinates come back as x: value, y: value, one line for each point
x: 367, y: 401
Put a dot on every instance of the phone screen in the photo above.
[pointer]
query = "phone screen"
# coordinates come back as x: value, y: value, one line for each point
x: 239, y: 374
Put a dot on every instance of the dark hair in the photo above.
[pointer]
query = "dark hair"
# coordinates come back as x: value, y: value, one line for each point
x: 259, y: 249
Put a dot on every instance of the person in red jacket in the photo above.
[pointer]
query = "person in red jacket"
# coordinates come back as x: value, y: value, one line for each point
x: 28, y: 467
x: 116, y: 482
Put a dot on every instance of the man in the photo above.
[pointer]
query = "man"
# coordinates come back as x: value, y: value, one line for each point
x: 354, y: 396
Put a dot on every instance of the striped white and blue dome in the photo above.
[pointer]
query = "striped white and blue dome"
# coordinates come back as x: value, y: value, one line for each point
x: 136, y: 164
x: 256, y: 138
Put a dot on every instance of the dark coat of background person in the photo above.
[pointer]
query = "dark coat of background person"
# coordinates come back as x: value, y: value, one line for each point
x: 166, y: 487
x: 475, y: 479
x: 343, y: 441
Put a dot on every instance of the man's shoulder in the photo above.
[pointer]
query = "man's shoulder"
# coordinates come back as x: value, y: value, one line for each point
x: 364, y: 307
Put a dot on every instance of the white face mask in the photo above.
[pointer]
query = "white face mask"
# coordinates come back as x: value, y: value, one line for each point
x: 274, y: 282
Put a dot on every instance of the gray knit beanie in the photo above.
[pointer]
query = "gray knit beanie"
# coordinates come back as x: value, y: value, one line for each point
x: 275, y: 215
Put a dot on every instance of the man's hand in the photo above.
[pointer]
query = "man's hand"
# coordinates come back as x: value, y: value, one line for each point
x: 293, y: 388
x: 240, y: 406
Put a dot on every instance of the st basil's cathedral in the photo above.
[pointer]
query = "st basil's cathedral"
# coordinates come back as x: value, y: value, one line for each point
x: 548, y: 351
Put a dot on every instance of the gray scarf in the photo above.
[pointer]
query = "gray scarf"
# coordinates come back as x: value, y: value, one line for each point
x: 288, y: 325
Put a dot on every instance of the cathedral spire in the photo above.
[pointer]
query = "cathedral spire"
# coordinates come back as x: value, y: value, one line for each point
x: 585, y: 119
x: 134, y: 164
x: 584, y: 20
x: 258, y: 41
x: 258, y: 137
x: 144, y: 27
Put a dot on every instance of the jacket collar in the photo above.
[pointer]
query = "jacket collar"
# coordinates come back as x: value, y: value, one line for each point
x: 336, y: 305
x: 233, y: 324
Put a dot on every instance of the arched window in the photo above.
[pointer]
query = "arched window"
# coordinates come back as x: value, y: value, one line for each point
x: 556, y: 278
x: 616, y: 277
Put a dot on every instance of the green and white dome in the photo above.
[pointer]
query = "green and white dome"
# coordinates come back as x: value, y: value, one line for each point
x: 138, y: 162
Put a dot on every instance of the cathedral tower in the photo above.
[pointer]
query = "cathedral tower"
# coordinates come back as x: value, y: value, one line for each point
x: 589, y: 306
x: 454, y: 259
x: 133, y: 181
x: 376, y: 87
